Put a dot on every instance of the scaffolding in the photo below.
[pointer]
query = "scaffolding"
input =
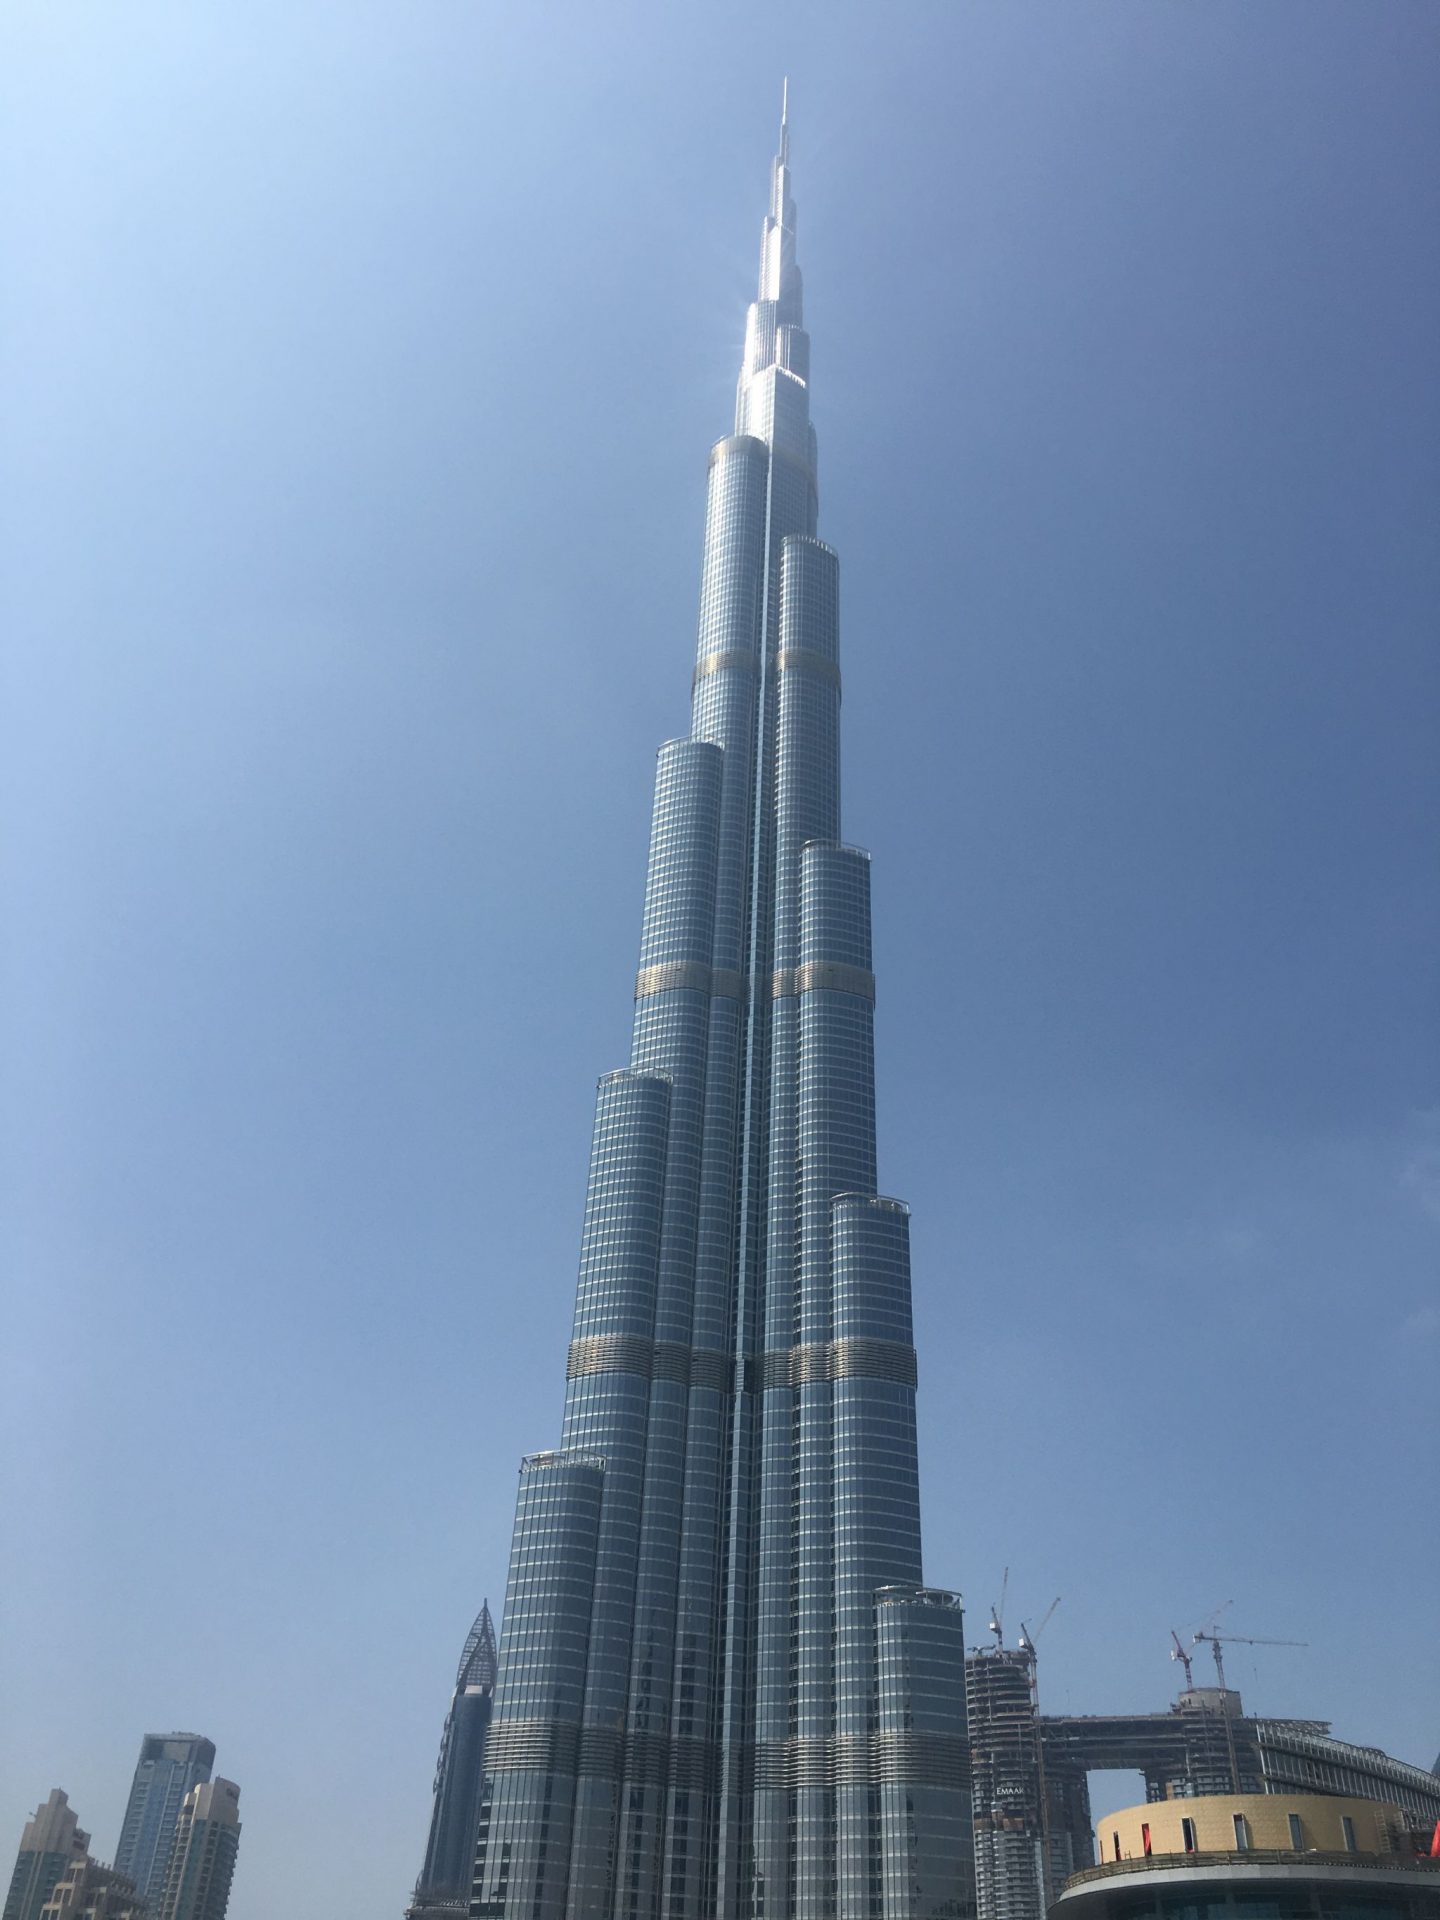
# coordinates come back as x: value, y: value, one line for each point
x: 1025, y: 1820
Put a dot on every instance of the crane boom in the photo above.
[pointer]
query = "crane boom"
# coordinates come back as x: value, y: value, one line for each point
x: 1177, y: 1652
x: 997, y: 1613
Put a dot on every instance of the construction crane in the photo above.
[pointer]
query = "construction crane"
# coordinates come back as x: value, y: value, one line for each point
x: 1027, y: 1645
x: 1028, y: 1639
x: 1216, y: 1641
x: 997, y: 1614
x: 1177, y: 1652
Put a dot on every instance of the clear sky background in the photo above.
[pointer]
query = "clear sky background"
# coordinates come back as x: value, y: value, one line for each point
x: 361, y: 361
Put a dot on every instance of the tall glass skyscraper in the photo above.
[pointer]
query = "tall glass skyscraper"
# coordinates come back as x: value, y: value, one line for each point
x: 170, y: 1764
x: 723, y: 1691
x: 444, y: 1883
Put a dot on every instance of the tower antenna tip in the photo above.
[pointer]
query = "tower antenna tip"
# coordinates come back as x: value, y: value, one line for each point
x: 785, y: 119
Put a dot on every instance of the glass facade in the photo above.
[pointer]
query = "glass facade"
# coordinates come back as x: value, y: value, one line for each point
x: 723, y: 1692
x: 170, y: 1764
x: 459, y: 1775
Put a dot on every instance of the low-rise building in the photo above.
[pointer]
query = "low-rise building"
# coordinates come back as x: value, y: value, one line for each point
x: 1255, y: 1856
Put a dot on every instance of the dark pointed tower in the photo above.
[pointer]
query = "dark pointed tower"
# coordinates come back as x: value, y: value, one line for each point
x: 444, y: 1883
x: 723, y: 1693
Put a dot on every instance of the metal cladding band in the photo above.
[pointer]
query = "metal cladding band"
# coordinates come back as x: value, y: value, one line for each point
x: 803, y: 660
x: 695, y: 976
x: 837, y: 1360
x: 688, y: 975
x: 910, y: 1759
x: 652, y: 1359
x: 551, y: 1746
x: 601, y: 1750
x: 827, y: 976
x: 728, y: 660
x: 743, y: 444
x: 724, y: 1694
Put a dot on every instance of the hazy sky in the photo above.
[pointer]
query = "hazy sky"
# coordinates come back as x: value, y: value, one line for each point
x: 361, y: 361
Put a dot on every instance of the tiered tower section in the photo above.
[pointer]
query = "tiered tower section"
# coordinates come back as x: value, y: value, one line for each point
x: 723, y: 1691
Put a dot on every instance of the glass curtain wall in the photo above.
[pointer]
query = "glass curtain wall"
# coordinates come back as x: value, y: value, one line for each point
x: 723, y: 1692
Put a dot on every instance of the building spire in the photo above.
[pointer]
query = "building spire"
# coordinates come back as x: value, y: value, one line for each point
x: 478, y: 1664
x: 785, y: 121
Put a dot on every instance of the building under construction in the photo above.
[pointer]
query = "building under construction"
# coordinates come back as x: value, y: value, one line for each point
x: 1024, y: 1839
x: 1033, y: 1823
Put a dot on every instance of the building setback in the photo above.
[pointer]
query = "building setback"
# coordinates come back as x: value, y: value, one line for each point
x: 202, y: 1861
x: 444, y: 1883
x: 723, y: 1689
x: 170, y: 1764
x: 51, y: 1843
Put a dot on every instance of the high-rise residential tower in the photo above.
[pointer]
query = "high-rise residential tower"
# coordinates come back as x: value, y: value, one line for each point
x: 51, y: 1843
x: 723, y: 1690
x: 444, y: 1883
x: 170, y: 1764
x: 202, y: 1861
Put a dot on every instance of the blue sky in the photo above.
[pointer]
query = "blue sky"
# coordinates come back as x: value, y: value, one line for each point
x: 362, y: 362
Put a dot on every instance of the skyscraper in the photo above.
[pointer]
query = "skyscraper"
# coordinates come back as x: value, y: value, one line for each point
x: 202, y: 1861
x: 444, y: 1883
x: 723, y: 1691
x: 170, y: 1764
x: 51, y: 1843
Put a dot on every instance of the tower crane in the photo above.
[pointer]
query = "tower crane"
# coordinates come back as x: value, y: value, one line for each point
x: 1244, y: 1640
x: 1028, y: 1639
x: 997, y: 1613
x: 1177, y: 1652
x: 1216, y: 1641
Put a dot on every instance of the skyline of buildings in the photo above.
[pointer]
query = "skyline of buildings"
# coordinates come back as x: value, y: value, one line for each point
x: 181, y: 1827
x: 1032, y: 1803
x: 723, y: 1688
